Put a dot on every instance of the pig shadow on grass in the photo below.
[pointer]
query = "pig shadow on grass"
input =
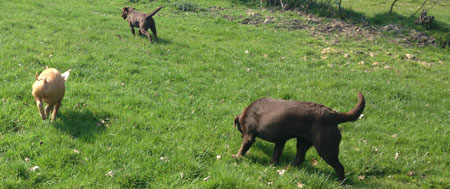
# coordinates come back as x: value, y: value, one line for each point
x: 81, y: 124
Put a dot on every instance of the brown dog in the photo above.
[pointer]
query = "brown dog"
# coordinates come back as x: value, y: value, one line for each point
x: 312, y: 124
x: 141, y: 20
x: 50, y: 88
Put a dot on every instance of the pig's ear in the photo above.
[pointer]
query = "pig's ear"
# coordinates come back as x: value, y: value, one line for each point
x: 66, y: 74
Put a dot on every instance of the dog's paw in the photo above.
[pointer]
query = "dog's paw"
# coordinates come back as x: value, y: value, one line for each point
x: 235, y: 156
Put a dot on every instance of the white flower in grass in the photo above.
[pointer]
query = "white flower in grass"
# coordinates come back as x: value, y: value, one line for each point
x: 281, y: 172
x: 361, y: 116
x: 164, y: 159
x: 110, y: 173
x: 34, y: 168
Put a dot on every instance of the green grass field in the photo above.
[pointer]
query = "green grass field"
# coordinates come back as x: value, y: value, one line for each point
x: 137, y: 115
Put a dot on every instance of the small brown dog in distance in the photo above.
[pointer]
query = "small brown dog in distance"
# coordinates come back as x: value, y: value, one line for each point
x: 49, y: 87
x: 141, y: 20
x: 311, y: 123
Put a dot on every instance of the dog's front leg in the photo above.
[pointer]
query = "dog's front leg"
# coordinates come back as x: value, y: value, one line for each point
x: 278, y: 151
x: 132, y: 30
x: 247, y: 142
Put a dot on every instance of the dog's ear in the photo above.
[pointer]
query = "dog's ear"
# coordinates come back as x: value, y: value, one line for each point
x: 66, y: 74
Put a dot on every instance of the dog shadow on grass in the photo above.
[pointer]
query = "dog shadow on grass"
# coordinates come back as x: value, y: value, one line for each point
x: 161, y: 41
x: 81, y: 124
x: 267, y: 149
x: 287, y: 157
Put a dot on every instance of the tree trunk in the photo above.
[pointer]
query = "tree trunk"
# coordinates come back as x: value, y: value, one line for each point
x: 423, y: 4
x: 282, y: 5
x: 392, y: 6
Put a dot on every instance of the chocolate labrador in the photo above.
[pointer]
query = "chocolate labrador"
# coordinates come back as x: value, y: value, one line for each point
x: 311, y: 123
x: 141, y: 20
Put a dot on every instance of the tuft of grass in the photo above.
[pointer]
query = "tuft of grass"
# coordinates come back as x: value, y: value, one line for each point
x: 186, y: 6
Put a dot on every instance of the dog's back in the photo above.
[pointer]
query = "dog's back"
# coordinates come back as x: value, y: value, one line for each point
x: 274, y: 119
x: 136, y: 17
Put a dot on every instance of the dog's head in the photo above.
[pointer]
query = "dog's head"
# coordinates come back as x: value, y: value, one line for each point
x: 125, y: 11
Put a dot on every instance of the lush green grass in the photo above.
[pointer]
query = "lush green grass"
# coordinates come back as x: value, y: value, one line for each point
x: 159, y: 115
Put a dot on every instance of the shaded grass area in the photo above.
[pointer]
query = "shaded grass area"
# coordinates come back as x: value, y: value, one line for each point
x: 373, y: 12
x: 161, y: 115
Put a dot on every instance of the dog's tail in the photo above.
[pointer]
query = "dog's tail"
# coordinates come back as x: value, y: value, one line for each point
x: 354, y: 113
x: 237, y: 124
x: 154, y: 11
x: 236, y: 121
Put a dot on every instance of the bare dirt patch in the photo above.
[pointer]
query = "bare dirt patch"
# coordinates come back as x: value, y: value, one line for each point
x: 408, y: 37
x: 319, y: 27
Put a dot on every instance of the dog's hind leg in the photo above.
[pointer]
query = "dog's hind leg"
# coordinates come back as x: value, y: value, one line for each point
x: 278, y: 150
x: 147, y: 34
x: 302, y: 148
x: 143, y: 29
x: 333, y: 161
x: 153, y: 28
x: 328, y: 149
